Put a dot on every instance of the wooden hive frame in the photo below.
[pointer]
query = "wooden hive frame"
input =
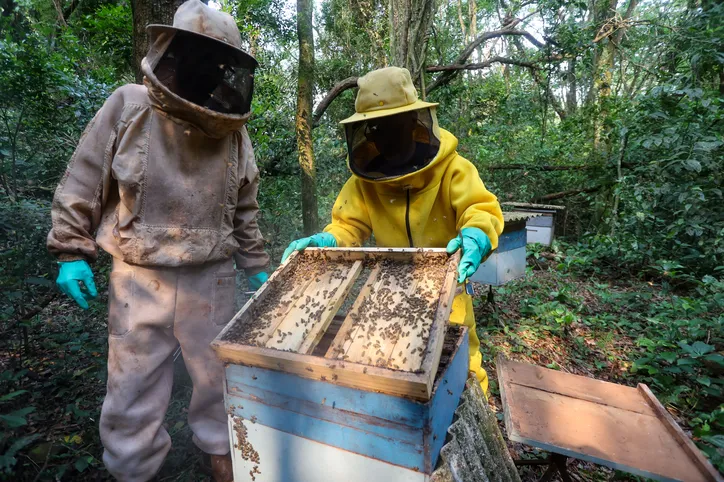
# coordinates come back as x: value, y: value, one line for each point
x: 288, y: 347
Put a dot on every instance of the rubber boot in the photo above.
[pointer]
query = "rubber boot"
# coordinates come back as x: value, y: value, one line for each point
x: 221, y: 468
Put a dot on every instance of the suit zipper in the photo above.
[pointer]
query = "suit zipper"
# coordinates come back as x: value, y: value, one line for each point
x: 407, y: 219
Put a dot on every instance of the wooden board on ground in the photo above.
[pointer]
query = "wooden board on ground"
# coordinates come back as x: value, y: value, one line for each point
x: 621, y: 427
x: 391, y: 339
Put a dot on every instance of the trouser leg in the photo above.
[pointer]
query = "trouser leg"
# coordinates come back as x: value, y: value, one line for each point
x: 462, y: 314
x: 140, y: 371
x: 205, y: 304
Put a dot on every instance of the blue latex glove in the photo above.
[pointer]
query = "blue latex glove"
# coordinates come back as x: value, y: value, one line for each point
x: 476, y: 246
x: 71, y: 273
x: 319, y: 240
x: 256, y: 280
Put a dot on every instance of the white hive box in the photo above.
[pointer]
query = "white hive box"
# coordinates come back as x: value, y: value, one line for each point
x: 507, y: 262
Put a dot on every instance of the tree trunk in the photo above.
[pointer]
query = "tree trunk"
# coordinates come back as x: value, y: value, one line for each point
x: 608, y: 39
x: 304, y: 116
x: 463, y: 29
x: 410, y: 21
x: 602, y: 93
x: 146, y: 12
x: 602, y: 11
x: 473, y: 12
x: 571, y: 100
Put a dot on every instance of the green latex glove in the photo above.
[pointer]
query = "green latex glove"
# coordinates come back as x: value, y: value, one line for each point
x: 71, y: 273
x: 256, y: 280
x: 476, y: 246
x: 319, y: 240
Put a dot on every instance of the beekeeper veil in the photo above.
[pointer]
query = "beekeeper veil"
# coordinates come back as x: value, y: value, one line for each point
x: 392, y: 133
x: 200, y: 59
x: 392, y: 146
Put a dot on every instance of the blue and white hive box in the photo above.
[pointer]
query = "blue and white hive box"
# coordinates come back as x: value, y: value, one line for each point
x: 286, y: 428
x: 323, y: 385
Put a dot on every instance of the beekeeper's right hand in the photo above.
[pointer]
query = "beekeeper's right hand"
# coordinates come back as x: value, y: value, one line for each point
x: 319, y: 240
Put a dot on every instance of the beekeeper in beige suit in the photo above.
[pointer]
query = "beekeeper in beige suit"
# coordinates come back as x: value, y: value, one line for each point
x: 165, y: 175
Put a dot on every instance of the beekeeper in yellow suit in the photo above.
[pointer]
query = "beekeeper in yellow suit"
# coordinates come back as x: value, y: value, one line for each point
x: 410, y: 187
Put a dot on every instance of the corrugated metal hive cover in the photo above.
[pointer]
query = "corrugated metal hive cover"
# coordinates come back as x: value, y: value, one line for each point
x: 552, y: 207
x: 513, y: 216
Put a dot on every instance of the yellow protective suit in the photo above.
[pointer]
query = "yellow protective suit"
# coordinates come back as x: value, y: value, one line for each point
x: 426, y: 208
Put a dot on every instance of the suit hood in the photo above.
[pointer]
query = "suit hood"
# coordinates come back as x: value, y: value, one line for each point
x: 212, y: 123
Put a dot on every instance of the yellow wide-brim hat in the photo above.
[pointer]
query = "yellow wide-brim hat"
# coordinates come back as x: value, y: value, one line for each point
x: 385, y: 92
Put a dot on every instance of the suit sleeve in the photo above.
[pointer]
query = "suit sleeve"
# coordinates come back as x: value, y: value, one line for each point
x: 475, y: 206
x: 78, y: 200
x: 350, y: 224
x: 251, y: 256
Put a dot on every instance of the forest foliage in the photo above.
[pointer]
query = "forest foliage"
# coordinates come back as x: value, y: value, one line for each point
x: 614, y: 109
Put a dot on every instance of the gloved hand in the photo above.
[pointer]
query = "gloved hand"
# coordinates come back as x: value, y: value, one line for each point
x: 319, y: 240
x: 256, y: 280
x: 71, y: 273
x: 475, y: 244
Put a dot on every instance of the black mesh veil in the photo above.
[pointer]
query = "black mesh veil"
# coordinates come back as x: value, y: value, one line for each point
x: 207, y: 73
x: 393, y: 146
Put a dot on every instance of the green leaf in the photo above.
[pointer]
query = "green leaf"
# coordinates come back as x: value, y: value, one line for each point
x: 12, y: 395
x: 693, y: 165
x: 716, y: 440
x: 668, y: 356
x: 707, y: 146
x: 715, y: 358
x: 686, y: 361
x: 13, y: 421
x: 8, y: 460
x: 17, y: 418
x: 82, y: 463
x: 78, y: 373
x: 39, y: 281
x: 698, y: 349
x: 706, y: 381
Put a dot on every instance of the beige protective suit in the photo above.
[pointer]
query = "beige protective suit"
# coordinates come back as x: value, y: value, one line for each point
x: 170, y: 188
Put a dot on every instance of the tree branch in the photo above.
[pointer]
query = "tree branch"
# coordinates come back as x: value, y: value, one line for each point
x: 5, y: 184
x: 485, y: 36
x: 558, y: 195
x: 68, y: 11
x: 59, y: 11
x: 481, y: 65
x: 449, y: 71
x: 524, y: 167
x: 346, y: 84
x: 555, y: 103
x: 508, y: 30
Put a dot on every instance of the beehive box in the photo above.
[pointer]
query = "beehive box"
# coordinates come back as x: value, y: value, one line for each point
x: 286, y: 428
x: 507, y: 262
x: 392, y: 334
x: 540, y: 228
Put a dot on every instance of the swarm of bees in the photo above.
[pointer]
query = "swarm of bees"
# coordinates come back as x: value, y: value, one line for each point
x: 306, y: 271
x: 399, y: 307
x: 391, y: 325
x: 244, y: 446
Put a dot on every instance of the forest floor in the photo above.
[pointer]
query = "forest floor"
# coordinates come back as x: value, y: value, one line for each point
x: 592, y: 326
